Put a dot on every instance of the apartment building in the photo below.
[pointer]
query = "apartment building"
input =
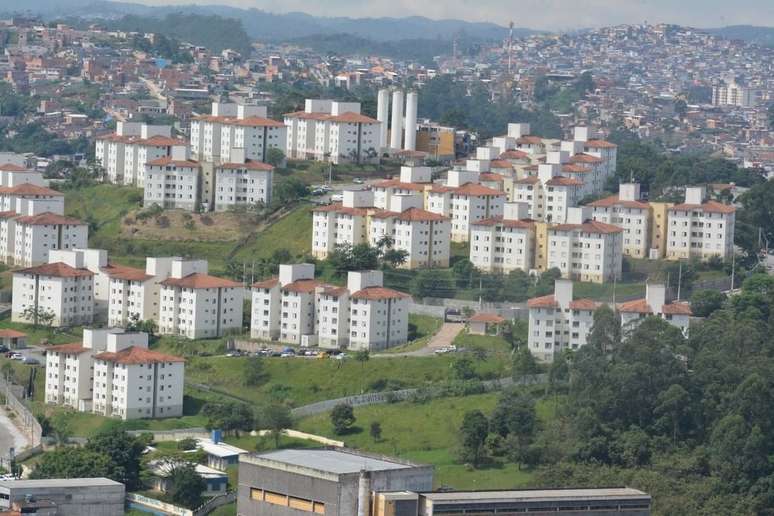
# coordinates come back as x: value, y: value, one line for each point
x: 412, y: 180
x: 464, y: 201
x: 328, y: 130
x: 549, y: 194
x: 177, y: 181
x: 700, y: 227
x: 195, y: 305
x: 341, y: 223
x: 558, y: 322
x: 297, y: 309
x: 655, y: 304
x: 12, y: 175
x: 236, y: 126
x: 36, y: 235
x: 585, y: 249
x: 10, y: 196
x: 53, y: 289
x: 123, y: 154
x: 503, y: 244
x: 114, y: 374
x: 134, y: 293
x: 96, y: 261
x: 632, y: 215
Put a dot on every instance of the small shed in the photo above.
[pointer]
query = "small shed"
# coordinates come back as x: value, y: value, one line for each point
x: 484, y: 324
x: 13, y: 339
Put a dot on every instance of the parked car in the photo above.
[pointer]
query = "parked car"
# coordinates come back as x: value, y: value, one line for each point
x: 358, y: 181
x: 17, y: 356
x: 3, y: 349
x: 30, y: 361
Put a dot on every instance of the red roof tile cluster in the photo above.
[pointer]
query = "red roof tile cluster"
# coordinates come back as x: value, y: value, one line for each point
x: 613, y: 200
x: 501, y: 163
x: 573, y: 168
x: 591, y: 226
x: 529, y: 140
x: 56, y: 270
x: 125, y: 273
x: 514, y: 154
x: 134, y: 355
x: 474, y: 189
x: 708, y: 207
x: 200, y: 280
x: 74, y: 348
x: 550, y: 302
x: 167, y: 160
x: 378, y: 293
x: 486, y: 318
x: 30, y: 189
x: 396, y: 183
x: 339, y: 208
x: 497, y: 178
x: 508, y: 223
x: 419, y: 215
x: 304, y: 286
x: 9, y: 333
x: 48, y: 219
x: 347, y: 118
x: 585, y: 158
x: 253, y: 121
x: 529, y: 180
x: 600, y: 144
x: 10, y: 167
x: 269, y: 283
x: 641, y: 306
x: 563, y: 181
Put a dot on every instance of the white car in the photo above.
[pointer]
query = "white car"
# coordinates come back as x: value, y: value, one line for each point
x: 17, y: 356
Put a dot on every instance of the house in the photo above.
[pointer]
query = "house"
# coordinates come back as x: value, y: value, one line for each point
x: 216, y: 481
x: 558, y: 322
x: 12, y: 339
x: 220, y: 455
x: 484, y: 324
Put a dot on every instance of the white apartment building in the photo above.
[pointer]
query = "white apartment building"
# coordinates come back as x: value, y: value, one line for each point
x: 36, y: 235
x: 96, y: 261
x: 632, y: 215
x: 333, y: 131
x: 655, y: 304
x: 195, y: 305
x: 14, y: 175
x: 585, y: 249
x: 412, y: 180
x: 53, y: 288
x: 238, y: 126
x: 700, y: 227
x: 503, y: 244
x: 173, y: 182
x: 341, y: 223
x: 242, y: 182
x: 123, y: 154
x: 557, y: 322
x: 549, y: 194
x: 731, y: 93
x: 464, y: 201
x: 423, y: 235
x: 114, y: 374
x: 297, y: 309
x: 10, y: 195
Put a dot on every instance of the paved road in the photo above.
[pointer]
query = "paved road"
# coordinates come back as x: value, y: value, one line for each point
x: 10, y: 436
x: 443, y: 337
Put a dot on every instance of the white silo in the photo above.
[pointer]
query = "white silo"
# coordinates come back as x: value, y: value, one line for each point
x: 396, y: 131
x: 383, y: 115
x: 410, y: 140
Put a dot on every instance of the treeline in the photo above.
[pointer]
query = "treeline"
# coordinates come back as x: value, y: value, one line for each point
x: 469, y: 106
x: 691, y: 421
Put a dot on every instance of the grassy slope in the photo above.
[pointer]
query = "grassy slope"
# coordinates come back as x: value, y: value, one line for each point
x: 293, y: 232
x: 427, y: 433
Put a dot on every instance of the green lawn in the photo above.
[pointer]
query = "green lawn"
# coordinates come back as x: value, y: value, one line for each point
x: 293, y: 232
x: 425, y: 327
x: 428, y: 433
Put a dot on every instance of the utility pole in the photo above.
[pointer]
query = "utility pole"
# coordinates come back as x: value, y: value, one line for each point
x: 679, y: 278
x: 733, y: 270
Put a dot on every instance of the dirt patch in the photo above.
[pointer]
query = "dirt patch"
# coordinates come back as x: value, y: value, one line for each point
x: 183, y: 225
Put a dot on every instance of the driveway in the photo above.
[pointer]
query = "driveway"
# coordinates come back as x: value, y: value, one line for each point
x: 10, y: 436
x: 443, y: 337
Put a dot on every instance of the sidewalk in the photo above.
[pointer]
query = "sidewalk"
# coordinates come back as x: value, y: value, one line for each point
x: 10, y: 435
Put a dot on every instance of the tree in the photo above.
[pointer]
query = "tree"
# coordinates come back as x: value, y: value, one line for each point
x: 737, y: 453
x: 704, y: 302
x: 545, y: 283
x: 394, y: 257
x: 514, y: 414
x: 524, y: 363
x: 362, y: 356
x: 673, y: 408
x: 462, y: 368
x: 276, y: 418
x: 465, y: 273
x: 229, y: 417
x: 432, y: 283
x: 40, y: 316
x: 342, y: 418
x: 72, y: 463
x: 473, y: 432
x: 61, y: 427
x: 375, y: 431
x: 275, y: 157
x: 185, y: 485
x: 605, y: 333
x: 255, y: 372
x: 123, y: 452
x: 136, y: 324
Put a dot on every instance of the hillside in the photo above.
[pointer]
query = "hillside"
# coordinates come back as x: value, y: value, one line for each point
x: 749, y: 33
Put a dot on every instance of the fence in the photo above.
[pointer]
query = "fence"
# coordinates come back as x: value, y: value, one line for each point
x: 140, y: 502
x: 215, y: 502
x: 26, y: 419
x: 174, y: 435
x: 376, y: 398
x: 309, y: 437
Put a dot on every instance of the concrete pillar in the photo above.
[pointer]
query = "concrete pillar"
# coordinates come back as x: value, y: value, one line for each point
x: 410, y: 141
x: 396, y: 131
x: 383, y: 114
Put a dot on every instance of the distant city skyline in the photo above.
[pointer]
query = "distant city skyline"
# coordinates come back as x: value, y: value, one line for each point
x: 534, y: 14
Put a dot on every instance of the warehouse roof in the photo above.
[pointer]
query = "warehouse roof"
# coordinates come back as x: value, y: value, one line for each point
x: 333, y: 461
x: 538, y: 494
x: 59, y: 482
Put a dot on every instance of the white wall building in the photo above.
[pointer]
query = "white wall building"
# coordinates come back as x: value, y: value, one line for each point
x: 333, y: 131
x: 503, y: 244
x: 700, y: 228
x: 297, y: 309
x: 628, y: 212
x: 242, y: 182
x: 655, y: 304
x: 465, y: 202
x: 36, y: 235
x: 173, y: 182
x: 53, y: 288
x: 114, y: 374
x: 584, y: 249
x: 195, y: 305
x: 557, y: 322
x: 341, y: 223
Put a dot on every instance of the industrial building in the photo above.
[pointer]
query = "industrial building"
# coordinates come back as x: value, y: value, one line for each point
x: 345, y: 482
x: 64, y: 497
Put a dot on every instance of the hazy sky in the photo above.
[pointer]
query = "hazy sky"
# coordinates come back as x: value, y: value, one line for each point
x: 536, y: 14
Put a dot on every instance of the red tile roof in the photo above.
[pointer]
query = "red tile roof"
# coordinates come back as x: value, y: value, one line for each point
x: 9, y: 333
x: 508, y: 223
x: 591, y: 226
x: 48, y: 219
x: 486, y: 318
x: 30, y: 189
x: 585, y: 158
x: 709, y: 207
x: 529, y: 140
x: 584, y: 304
x: 161, y: 141
x: 253, y: 121
x: 8, y: 214
x: 348, y: 117
x: 677, y: 308
x: 600, y: 144
x: 376, y: 293
x: 501, y: 163
x: 247, y: 165
x: 57, y: 270
x: 125, y: 273
x: 491, y: 177
x: 542, y: 302
x: 529, y: 180
x: 641, y: 306
x: 303, y: 286
x: 10, y: 167
x: 134, y: 355
x: 607, y: 202
x: 269, y: 283
x: 419, y: 215
x: 339, y: 208
x: 200, y: 280
x: 167, y: 160
x: 573, y: 168
x: 563, y: 181
x: 514, y: 154
x: 396, y: 183
x: 331, y: 290
x: 473, y: 189
x: 74, y: 348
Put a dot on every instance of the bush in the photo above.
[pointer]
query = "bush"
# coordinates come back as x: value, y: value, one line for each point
x: 186, y: 444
